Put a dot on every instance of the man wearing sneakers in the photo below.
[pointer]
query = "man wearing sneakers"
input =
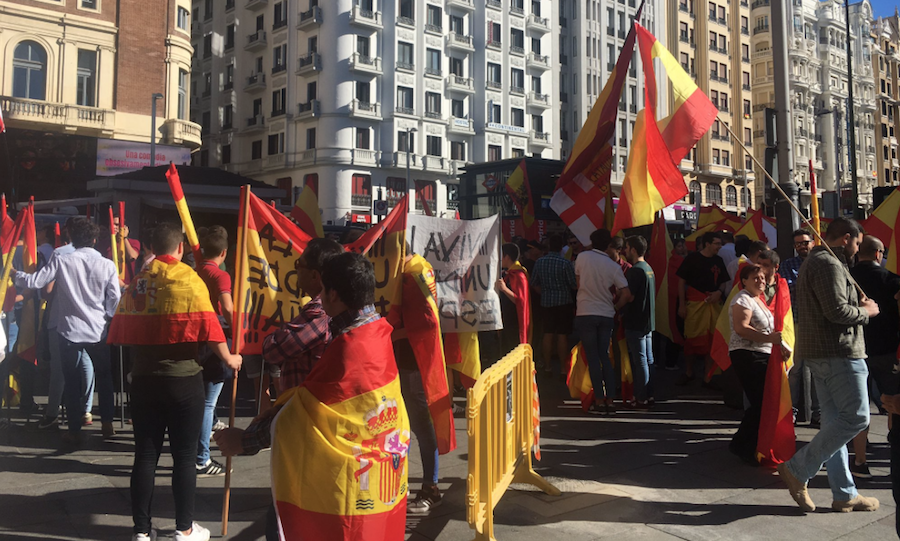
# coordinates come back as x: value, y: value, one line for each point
x: 830, y: 339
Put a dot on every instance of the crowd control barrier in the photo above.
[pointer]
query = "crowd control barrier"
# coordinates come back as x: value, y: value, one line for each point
x: 500, y: 418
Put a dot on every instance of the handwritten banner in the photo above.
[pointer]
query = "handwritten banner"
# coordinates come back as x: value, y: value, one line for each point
x: 465, y: 257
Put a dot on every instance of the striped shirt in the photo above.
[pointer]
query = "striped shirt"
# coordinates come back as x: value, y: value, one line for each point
x: 556, y: 277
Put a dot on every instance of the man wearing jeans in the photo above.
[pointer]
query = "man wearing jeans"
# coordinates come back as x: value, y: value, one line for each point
x: 87, y: 292
x: 830, y: 339
x: 639, y: 318
x: 597, y: 276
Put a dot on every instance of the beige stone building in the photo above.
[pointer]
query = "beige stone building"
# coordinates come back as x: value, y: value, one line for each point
x: 886, y: 33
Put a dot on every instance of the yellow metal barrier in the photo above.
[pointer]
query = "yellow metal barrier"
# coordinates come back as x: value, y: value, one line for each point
x: 500, y: 418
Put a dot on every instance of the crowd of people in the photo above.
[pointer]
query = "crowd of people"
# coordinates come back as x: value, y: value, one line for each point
x: 554, y: 294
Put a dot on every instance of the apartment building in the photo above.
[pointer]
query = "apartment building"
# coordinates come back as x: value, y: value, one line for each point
x: 711, y: 40
x: 886, y: 50
x: 819, y: 87
x: 78, y: 74
x: 336, y: 95
x: 591, y: 37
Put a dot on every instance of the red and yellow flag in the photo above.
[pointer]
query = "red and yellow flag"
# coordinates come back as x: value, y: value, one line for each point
x: 690, y: 241
x: 183, y: 212
x: 517, y: 279
x: 884, y: 223
x: 340, y: 445
x: 520, y: 192
x: 579, y: 380
x: 757, y: 228
x: 464, y: 356
x: 653, y: 179
x: 306, y: 213
x: 814, y: 202
x: 659, y: 257
x: 777, y: 441
x: 711, y: 214
x: 166, y: 303
x: 417, y: 313
x: 29, y: 321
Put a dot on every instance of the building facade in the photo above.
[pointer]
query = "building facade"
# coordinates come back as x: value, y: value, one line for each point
x: 335, y: 95
x: 711, y: 40
x: 78, y: 71
x: 886, y: 33
x: 819, y: 92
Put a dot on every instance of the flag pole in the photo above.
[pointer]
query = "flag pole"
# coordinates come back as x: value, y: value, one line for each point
x: 237, y: 331
x: 793, y: 206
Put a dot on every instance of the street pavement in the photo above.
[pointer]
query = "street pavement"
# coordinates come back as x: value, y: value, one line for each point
x: 665, y: 474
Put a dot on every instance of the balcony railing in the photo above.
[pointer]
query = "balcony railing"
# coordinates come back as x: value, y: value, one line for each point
x: 256, y: 39
x: 406, y: 21
x: 459, y: 40
x: 405, y: 110
x: 310, y: 17
x: 494, y: 85
x: 310, y: 62
x: 361, y: 200
x: 492, y: 44
x: 407, y: 66
x: 365, y: 17
x: 69, y: 116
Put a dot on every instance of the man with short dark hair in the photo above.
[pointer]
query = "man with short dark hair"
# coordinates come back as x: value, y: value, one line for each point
x: 85, y: 297
x: 514, y: 299
x: 702, y: 283
x: 639, y: 318
x: 830, y: 339
x: 554, y: 280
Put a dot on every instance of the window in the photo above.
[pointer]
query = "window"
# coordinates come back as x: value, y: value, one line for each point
x: 182, y: 94
x: 87, y: 78
x: 406, y: 141
x: 278, y: 99
x: 311, y: 91
x: 257, y: 107
x: 726, y: 158
x: 495, y: 153
x: 207, y: 46
x: 30, y: 71
x: 276, y: 144
x: 494, y: 30
x: 536, y: 46
x: 280, y: 16
x: 226, y: 154
x: 405, y: 99
x: 184, y: 17
x: 714, y: 193
x: 256, y: 150
x: 494, y: 113
x: 536, y: 84
x: 361, y: 190
x: 458, y: 108
x: 363, y: 92
x: 518, y: 153
x: 311, y: 181
x: 229, y: 37
x: 362, y: 46
x: 90, y: 4
x: 434, y: 145
x: 696, y: 193
x: 425, y: 191
x: 517, y: 81
x: 457, y: 150
x: 433, y: 62
x: 204, y: 123
x: 537, y: 123
x: 228, y: 79
x: 363, y: 138
x: 279, y: 58
x: 432, y: 105
x: 518, y: 117
x: 405, y: 55
x: 207, y: 9
x: 310, y: 138
x: 407, y: 9
x: 457, y: 25
x: 745, y: 197
x: 434, y: 18
x: 517, y: 41
x: 227, y: 117
x: 457, y: 67
x: 493, y: 74
x: 396, y: 189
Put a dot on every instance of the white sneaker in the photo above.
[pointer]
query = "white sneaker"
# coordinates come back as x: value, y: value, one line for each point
x: 198, y: 533
x: 144, y: 537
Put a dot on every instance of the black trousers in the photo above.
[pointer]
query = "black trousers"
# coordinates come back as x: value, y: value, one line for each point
x: 158, y: 404
x: 750, y: 368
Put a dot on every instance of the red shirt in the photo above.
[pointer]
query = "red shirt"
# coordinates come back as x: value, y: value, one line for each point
x: 216, y: 280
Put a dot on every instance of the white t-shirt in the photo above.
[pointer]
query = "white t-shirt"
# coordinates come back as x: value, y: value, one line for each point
x: 597, y: 273
x: 761, y: 319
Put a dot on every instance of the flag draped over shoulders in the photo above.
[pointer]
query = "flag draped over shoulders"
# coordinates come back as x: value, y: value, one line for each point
x: 166, y: 303
x: 700, y: 323
x: 462, y: 352
x: 517, y: 280
x: 340, y: 444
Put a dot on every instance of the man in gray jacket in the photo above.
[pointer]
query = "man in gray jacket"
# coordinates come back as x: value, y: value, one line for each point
x: 830, y: 339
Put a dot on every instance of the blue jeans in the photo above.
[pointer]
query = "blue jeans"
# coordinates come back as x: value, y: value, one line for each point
x: 57, y: 381
x: 73, y: 374
x: 640, y: 349
x: 595, y: 333
x: 844, y: 399
x: 420, y: 422
x: 209, y: 413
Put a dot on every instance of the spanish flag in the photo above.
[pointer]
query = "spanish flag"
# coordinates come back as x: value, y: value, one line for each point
x: 757, y: 228
x: 166, y: 303
x: 884, y: 223
x: 417, y: 313
x: 579, y: 380
x: 700, y: 323
x: 517, y: 279
x: 464, y: 356
x: 711, y: 214
x: 659, y: 257
x: 32, y: 308
x: 306, y: 213
x: 340, y: 444
x: 520, y: 192
x: 653, y: 179
x: 777, y: 441
x: 690, y: 241
x: 183, y: 212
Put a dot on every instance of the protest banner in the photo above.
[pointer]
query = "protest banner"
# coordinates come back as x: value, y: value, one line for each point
x: 464, y: 254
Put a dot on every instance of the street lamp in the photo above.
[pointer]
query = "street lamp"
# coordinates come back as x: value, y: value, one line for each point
x: 155, y: 96
x: 409, y: 132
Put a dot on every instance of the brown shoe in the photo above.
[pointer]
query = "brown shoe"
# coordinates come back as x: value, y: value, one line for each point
x: 859, y: 503
x: 796, y: 488
x: 108, y: 430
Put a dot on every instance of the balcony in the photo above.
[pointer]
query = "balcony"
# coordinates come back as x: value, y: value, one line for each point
x: 493, y: 85
x: 361, y: 199
x: 69, y: 118
x: 534, y: 60
x: 518, y: 90
x: 517, y: 50
x: 276, y: 161
x: 406, y: 21
x: 434, y: 163
x: 256, y: 40
x: 539, y: 139
x: 761, y: 29
x: 400, y: 159
x: 433, y: 72
x: 362, y: 156
x: 310, y: 109
x: 462, y: 126
x: 278, y: 25
x: 759, y: 4
x: 365, y: 64
x: 536, y: 99
x: 255, y: 82
x: 491, y: 44
x: 310, y: 18
x: 460, y: 42
x: 538, y: 24
x: 365, y: 17
x: 456, y: 169
x: 517, y: 10
x: 365, y: 109
x: 434, y: 115
x: 495, y: 4
x: 455, y: 83
x: 256, y: 4
x: 465, y: 4
x: 408, y: 111
x: 434, y: 29
x: 309, y: 63
x: 255, y: 123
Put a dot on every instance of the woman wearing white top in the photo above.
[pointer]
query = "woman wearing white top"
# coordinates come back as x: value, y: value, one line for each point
x: 752, y: 335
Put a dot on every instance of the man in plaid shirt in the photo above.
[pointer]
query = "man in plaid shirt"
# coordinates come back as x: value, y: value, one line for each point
x: 554, y: 279
x: 296, y: 347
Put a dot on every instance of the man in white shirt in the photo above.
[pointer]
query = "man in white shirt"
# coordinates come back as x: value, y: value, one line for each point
x: 598, y: 278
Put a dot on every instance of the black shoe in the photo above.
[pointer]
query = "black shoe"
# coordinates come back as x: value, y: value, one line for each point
x: 48, y: 422
x: 597, y: 409
x: 815, y: 421
x: 210, y: 469
x: 427, y: 499
x: 860, y: 471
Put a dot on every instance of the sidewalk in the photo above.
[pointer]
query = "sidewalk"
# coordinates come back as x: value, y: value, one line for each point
x: 659, y: 475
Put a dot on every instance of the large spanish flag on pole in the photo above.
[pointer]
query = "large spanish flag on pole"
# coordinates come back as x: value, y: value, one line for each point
x: 520, y: 192
x: 884, y: 223
x: 306, y: 213
x: 183, y: 212
x: 340, y: 444
x: 777, y: 441
x: 711, y: 214
x: 653, y: 179
x: 758, y: 228
x: 26, y: 343
x: 583, y: 195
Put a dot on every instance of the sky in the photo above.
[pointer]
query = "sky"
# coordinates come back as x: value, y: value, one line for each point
x: 884, y: 7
